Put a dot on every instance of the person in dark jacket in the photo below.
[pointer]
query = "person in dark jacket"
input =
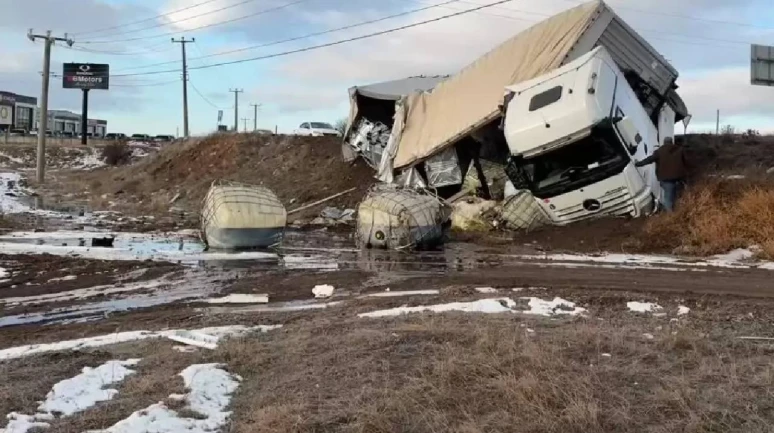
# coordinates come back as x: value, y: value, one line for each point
x: 671, y: 170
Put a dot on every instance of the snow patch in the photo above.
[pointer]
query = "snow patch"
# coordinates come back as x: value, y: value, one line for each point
x: 738, y: 255
x: 74, y: 395
x: 653, y: 262
x: 487, y: 306
x: 86, y: 389
x: 388, y: 294
x: 211, y: 389
x: 486, y: 290
x: 643, y: 307
x: 323, y: 291
x: 237, y: 298
x: 682, y: 310
x: 3, y: 273
x: 60, y: 279
x: 556, y: 307
x: 123, y: 337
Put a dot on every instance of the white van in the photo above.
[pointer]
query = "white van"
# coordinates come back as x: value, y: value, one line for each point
x: 574, y: 135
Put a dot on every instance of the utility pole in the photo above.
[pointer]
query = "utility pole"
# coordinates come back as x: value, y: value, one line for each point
x: 236, y: 107
x: 244, y: 120
x: 182, y: 41
x: 43, y: 111
x: 255, y: 116
x: 717, y: 124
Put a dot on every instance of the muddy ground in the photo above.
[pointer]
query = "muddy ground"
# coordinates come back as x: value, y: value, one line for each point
x: 688, y: 365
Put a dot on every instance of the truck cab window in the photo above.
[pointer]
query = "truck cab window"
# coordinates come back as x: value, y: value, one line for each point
x: 546, y: 98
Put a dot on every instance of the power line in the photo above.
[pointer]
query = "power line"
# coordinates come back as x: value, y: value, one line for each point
x: 163, y: 24
x: 196, y: 90
x: 218, y: 23
x: 306, y: 36
x: 144, y: 20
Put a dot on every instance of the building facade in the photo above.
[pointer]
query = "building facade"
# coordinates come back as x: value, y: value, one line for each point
x: 17, y: 111
x: 63, y: 122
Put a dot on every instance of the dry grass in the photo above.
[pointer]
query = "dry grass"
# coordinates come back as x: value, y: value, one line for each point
x: 717, y: 216
x: 117, y: 153
x: 488, y: 374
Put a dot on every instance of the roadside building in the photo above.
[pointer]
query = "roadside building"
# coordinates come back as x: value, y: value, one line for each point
x: 63, y: 122
x: 17, y: 111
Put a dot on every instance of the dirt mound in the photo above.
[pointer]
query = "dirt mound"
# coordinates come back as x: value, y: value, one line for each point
x: 299, y: 169
x: 712, y: 154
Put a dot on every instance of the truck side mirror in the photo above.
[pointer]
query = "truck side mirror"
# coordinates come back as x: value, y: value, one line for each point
x: 630, y: 134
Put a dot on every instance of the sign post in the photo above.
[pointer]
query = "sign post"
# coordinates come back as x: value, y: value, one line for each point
x: 762, y: 66
x: 86, y: 76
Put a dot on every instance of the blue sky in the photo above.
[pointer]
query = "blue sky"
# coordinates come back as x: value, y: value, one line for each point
x: 697, y: 36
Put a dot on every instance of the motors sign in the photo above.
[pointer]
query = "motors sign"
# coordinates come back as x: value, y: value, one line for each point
x: 86, y: 76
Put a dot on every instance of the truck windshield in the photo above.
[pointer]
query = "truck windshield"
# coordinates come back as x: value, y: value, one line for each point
x: 586, y: 161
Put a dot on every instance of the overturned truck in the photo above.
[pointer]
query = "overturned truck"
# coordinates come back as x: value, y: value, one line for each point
x: 566, y: 106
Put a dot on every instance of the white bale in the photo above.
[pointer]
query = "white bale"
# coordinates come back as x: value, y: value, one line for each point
x: 396, y: 218
x: 238, y: 216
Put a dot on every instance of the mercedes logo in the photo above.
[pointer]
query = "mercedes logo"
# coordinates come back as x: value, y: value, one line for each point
x: 84, y: 68
x: 592, y: 205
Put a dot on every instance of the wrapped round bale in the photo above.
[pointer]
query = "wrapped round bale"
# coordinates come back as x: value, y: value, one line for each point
x: 399, y: 218
x: 239, y: 216
x: 520, y: 211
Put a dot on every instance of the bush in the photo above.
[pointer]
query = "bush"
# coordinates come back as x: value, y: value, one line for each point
x: 718, y: 216
x: 118, y: 153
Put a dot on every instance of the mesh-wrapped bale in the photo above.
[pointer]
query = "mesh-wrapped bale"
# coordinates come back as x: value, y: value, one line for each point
x: 494, y: 174
x: 521, y: 212
x: 400, y: 218
x: 238, y: 216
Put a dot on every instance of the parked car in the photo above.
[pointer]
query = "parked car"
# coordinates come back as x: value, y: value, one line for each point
x: 115, y: 136
x: 317, y: 129
x: 17, y: 132
x: 164, y: 138
x: 141, y: 137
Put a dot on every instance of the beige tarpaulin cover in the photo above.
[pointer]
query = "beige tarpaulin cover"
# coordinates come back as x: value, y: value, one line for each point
x: 471, y: 98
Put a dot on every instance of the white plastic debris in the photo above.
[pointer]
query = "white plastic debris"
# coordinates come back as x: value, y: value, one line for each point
x: 682, y: 310
x: 323, y: 291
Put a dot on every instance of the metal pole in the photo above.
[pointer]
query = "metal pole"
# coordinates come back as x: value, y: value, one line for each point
x: 717, y: 124
x: 182, y: 41
x: 85, y: 116
x: 255, y: 116
x: 236, y: 107
x: 41, y: 167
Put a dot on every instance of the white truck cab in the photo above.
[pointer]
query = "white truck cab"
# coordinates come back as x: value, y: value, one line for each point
x: 574, y: 135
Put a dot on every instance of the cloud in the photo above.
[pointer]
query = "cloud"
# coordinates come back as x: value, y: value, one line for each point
x: 730, y: 91
x: 289, y: 99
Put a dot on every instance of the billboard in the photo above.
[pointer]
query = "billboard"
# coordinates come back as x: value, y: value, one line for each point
x: 86, y: 76
x: 6, y: 114
x: 762, y: 65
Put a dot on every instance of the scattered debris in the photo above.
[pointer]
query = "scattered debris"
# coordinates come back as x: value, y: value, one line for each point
x: 682, y: 310
x: 520, y: 211
x: 369, y: 139
x: 400, y: 218
x: 194, y: 338
x: 319, y: 202
x: 643, y: 307
x: 323, y: 291
x: 333, y: 216
x: 237, y: 216
x: 471, y: 214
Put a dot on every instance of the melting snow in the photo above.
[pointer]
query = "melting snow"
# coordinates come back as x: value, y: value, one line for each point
x: 398, y: 294
x: 3, y: 273
x: 324, y: 291
x: 486, y: 290
x: 489, y: 306
x: 67, y: 278
x: 210, y: 393
x: 537, y: 306
x: 86, y: 389
x: 731, y: 260
x: 74, y: 395
x: 558, y: 306
x: 240, y: 299
x: 682, y: 310
x: 643, y: 307
x: 122, y: 337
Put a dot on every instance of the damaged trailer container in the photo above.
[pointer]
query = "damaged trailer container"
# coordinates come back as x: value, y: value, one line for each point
x: 465, y: 110
x: 240, y: 216
x: 371, y: 115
